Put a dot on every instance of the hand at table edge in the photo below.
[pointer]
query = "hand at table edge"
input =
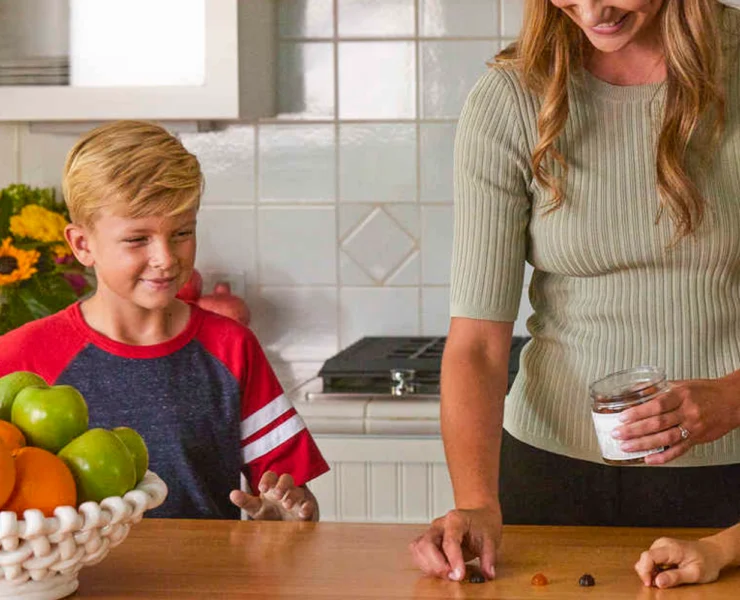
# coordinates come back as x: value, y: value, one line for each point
x: 457, y: 537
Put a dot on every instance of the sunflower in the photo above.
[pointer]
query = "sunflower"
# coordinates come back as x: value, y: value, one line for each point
x: 16, y: 264
x: 38, y: 223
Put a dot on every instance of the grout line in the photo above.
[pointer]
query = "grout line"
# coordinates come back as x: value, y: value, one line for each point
x: 337, y: 176
x: 290, y: 120
x: 399, y: 267
x: 257, y: 201
x: 500, y: 21
x: 328, y: 286
x: 400, y: 38
x: 419, y: 87
x: 17, y: 152
x: 317, y: 204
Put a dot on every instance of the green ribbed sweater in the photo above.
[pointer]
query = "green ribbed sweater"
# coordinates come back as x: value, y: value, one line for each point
x: 607, y: 292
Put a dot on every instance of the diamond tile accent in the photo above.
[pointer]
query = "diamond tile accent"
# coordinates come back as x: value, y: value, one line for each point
x: 378, y: 244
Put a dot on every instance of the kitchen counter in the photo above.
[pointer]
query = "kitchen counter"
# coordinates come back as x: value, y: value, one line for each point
x: 308, y: 561
x: 402, y: 416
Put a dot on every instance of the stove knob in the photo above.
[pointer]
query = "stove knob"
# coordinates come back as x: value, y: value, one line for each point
x: 402, y: 382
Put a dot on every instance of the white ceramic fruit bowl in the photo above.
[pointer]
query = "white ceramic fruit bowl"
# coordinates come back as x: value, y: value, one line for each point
x: 41, y: 557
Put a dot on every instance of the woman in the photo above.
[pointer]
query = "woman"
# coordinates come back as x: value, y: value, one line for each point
x: 602, y: 148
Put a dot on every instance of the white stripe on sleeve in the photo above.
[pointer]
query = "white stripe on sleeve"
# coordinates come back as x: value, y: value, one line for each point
x: 265, y: 415
x: 272, y: 439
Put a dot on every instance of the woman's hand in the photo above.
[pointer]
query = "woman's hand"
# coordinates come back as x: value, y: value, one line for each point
x: 279, y: 500
x: 459, y: 536
x: 690, y: 562
x: 692, y: 411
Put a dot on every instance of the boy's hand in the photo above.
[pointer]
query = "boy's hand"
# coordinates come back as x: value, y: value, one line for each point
x: 691, y: 562
x: 279, y: 500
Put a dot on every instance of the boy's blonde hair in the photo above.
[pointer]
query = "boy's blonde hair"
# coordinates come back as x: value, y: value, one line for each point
x: 135, y: 168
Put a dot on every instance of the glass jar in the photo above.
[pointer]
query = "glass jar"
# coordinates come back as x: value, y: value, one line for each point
x: 618, y: 392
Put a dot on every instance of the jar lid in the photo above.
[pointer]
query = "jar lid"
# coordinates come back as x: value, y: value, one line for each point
x: 628, y: 385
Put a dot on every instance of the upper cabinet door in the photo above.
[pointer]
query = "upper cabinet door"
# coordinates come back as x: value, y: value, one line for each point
x: 114, y: 59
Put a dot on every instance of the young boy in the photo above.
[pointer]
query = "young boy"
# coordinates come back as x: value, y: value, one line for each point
x: 694, y: 562
x: 195, y: 385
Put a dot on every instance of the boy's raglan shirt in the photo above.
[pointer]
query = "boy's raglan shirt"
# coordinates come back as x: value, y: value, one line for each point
x: 207, y: 403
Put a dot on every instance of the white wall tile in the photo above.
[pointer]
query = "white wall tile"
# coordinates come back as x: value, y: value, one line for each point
x: 351, y: 215
x: 373, y: 18
x: 291, y: 252
x: 458, y: 18
x: 378, y: 244
x: 437, y: 143
x: 297, y: 163
x: 449, y: 71
x: 512, y: 17
x: 227, y: 161
x: 306, y: 18
x: 8, y: 158
x: 437, y: 228
x: 407, y: 217
x: 42, y: 157
x: 377, y: 311
x: 227, y: 241
x: 296, y: 324
x: 377, y: 80
x: 409, y: 273
x: 435, y: 310
x: 305, y: 87
x: 377, y: 163
x: 350, y: 273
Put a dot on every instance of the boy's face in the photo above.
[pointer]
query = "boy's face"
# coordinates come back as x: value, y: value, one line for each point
x: 141, y: 261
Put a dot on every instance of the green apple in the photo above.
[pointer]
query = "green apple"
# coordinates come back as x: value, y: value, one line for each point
x: 136, y: 445
x: 101, y: 465
x: 50, y: 417
x: 13, y: 383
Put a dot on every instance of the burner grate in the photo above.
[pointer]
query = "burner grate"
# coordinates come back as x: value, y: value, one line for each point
x: 365, y: 366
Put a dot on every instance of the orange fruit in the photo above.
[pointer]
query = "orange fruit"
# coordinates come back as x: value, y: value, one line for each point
x: 11, y: 436
x: 42, y: 481
x: 7, y: 474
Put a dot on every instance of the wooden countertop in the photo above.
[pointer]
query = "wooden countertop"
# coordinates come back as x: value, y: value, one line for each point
x: 307, y: 561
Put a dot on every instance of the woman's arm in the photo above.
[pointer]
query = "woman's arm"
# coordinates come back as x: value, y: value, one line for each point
x: 475, y: 370
x: 474, y: 381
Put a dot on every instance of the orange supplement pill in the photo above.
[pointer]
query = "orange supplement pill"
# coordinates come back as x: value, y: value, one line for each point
x: 539, y: 579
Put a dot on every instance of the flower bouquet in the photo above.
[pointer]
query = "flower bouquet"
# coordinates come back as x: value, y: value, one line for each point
x: 38, y: 272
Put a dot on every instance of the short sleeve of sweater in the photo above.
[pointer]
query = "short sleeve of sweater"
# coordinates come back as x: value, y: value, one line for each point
x: 492, y: 204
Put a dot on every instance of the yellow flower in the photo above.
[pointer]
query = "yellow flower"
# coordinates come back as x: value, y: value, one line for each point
x: 61, y: 250
x: 38, y: 223
x: 16, y: 264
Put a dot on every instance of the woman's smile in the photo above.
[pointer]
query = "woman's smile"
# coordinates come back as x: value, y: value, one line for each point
x: 612, y: 27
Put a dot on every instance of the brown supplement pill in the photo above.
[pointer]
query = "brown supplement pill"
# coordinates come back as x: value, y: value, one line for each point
x: 476, y: 578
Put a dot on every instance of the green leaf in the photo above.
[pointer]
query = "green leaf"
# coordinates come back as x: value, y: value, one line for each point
x: 6, y: 208
x: 13, y: 311
x: 20, y: 194
x: 35, y: 304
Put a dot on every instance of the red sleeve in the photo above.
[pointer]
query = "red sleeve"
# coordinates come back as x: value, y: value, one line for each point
x: 273, y: 435
x: 44, y: 347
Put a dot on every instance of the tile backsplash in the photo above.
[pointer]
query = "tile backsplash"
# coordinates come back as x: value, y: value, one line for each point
x: 334, y: 218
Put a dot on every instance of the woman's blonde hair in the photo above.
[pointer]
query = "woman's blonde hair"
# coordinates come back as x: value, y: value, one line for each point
x: 135, y: 168
x: 551, y: 48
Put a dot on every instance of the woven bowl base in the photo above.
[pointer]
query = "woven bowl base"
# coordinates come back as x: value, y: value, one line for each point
x: 59, y: 586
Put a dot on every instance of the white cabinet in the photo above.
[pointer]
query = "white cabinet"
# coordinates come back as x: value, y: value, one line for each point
x: 116, y: 53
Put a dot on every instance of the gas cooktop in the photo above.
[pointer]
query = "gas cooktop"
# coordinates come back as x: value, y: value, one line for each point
x: 393, y: 366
